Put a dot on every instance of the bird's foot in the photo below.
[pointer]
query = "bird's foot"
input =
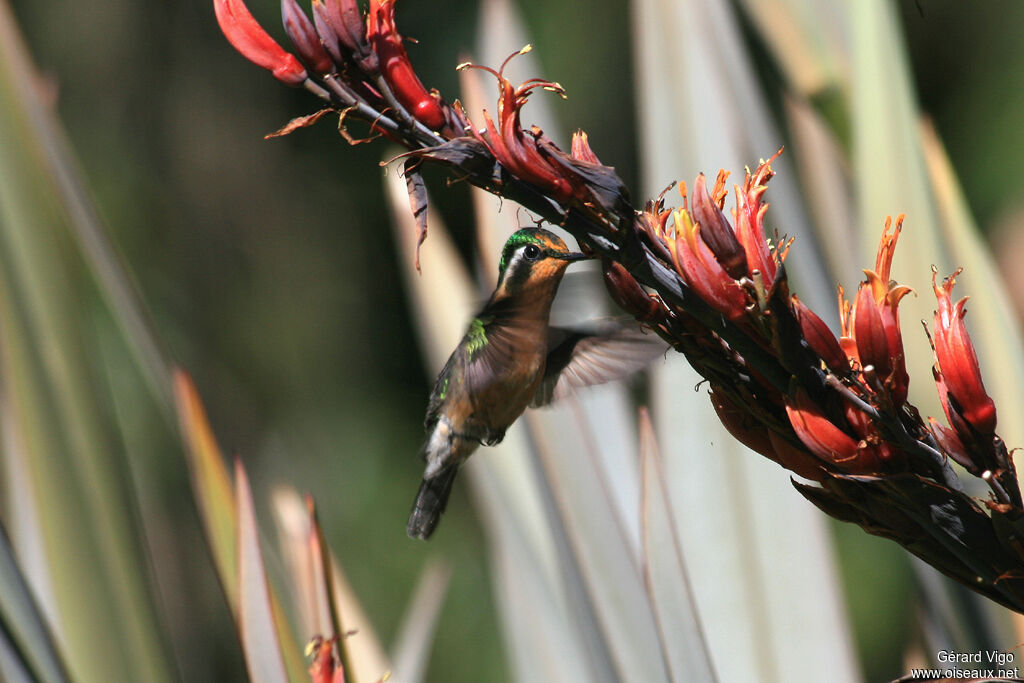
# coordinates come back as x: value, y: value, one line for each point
x: 493, y: 439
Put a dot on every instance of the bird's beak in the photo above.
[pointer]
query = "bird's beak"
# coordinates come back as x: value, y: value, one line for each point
x: 574, y: 256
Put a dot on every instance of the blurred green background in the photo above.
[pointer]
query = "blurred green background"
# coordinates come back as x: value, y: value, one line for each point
x: 269, y: 267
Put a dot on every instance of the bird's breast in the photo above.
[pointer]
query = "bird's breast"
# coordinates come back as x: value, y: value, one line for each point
x: 505, y: 397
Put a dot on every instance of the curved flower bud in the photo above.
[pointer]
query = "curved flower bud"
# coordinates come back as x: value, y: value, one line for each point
x: 653, y: 221
x: 328, y: 35
x: 846, y: 326
x: 959, y: 376
x: 881, y: 451
x: 695, y: 261
x: 952, y: 446
x: 821, y: 437
x: 742, y: 425
x: 581, y: 149
x: 749, y: 217
x: 872, y: 340
x: 820, y: 338
x: 827, y: 441
x: 397, y: 69
x: 628, y: 294
x: 716, y: 231
x: 255, y: 44
x: 304, y: 37
x: 348, y: 28
x: 796, y: 460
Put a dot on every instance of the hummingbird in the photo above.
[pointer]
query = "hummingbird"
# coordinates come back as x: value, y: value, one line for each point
x: 511, y: 358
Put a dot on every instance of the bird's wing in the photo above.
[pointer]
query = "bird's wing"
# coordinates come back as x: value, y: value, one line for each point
x: 489, y: 359
x: 440, y: 392
x: 579, y: 358
x: 475, y: 360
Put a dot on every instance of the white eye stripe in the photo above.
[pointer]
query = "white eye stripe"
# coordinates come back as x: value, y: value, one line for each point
x: 517, y: 259
x: 519, y: 264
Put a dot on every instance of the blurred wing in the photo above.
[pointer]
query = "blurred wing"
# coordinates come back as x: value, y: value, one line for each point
x: 457, y: 366
x: 440, y: 391
x: 476, y: 362
x: 580, y: 358
x: 489, y: 362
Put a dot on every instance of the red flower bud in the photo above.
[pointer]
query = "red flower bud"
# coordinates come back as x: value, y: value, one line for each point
x: 796, y: 460
x: 255, y: 44
x: 872, y: 341
x: 824, y: 439
x: 952, y: 446
x: 963, y: 394
x: 716, y: 231
x: 397, y: 69
x: 833, y: 445
x: 324, y: 667
x: 742, y: 425
x: 581, y: 149
x: 346, y: 25
x: 304, y: 37
x: 749, y: 219
x: 695, y: 261
x: 628, y: 294
x: 820, y: 338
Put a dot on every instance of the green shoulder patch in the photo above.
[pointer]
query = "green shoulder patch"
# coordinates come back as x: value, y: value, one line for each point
x: 476, y: 337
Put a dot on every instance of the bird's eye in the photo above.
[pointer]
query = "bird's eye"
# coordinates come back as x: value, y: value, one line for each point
x: 531, y: 252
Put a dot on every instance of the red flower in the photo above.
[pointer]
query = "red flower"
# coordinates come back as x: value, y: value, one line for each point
x: 509, y: 143
x: 824, y: 439
x: 715, y: 229
x: 757, y: 437
x: 340, y: 24
x: 865, y: 453
x: 720, y: 262
x: 958, y: 376
x: 742, y: 425
x: 952, y: 446
x: 255, y: 44
x: 820, y: 338
x: 304, y: 37
x: 796, y: 459
x: 629, y: 295
x: 581, y: 149
x: 749, y: 218
x: 396, y: 68
x: 698, y: 266
x: 324, y: 668
x: 871, y: 328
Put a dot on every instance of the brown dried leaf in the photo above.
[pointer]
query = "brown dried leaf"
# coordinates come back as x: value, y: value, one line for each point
x: 296, y: 123
x: 417, y: 201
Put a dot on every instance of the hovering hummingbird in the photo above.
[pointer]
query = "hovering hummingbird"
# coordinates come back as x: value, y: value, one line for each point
x: 511, y: 358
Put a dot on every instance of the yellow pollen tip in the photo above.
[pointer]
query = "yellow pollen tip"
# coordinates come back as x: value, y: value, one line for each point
x: 463, y: 66
x: 526, y: 48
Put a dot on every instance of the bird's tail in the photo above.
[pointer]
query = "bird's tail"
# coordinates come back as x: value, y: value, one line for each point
x: 430, y: 503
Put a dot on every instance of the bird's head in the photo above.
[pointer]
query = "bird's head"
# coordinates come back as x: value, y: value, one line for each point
x: 533, y: 261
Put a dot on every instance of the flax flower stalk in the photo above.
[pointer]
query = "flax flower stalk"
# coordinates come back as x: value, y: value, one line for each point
x: 832, y: 408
